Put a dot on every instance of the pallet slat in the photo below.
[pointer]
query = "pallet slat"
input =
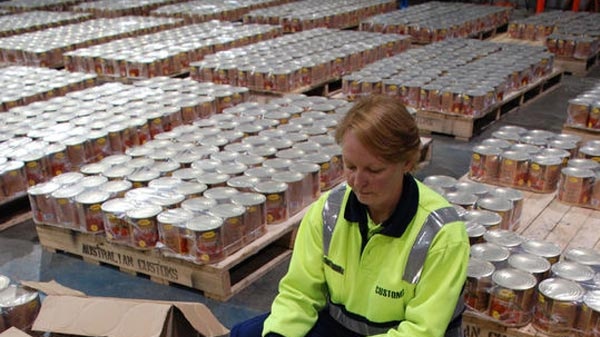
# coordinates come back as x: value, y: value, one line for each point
x: 218, y: 281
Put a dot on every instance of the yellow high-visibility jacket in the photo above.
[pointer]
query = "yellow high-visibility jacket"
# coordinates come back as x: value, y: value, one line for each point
x: 362, y: 274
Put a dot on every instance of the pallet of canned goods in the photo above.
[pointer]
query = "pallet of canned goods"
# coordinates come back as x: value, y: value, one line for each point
x: 308, y: 14
x: 37, y: 20
x: 116, y: 8
x: 298, y: 62
x: 199, y: 11
x: 437, y: 21
x: 44, y: 139
x: 45, y: 48
x: 166, y: 53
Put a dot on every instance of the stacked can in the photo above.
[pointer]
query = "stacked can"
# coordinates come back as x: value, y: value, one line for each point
x: 583, y: 111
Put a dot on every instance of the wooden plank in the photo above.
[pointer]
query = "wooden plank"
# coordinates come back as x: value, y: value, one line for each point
x: 586, y: 134
x: 219, y: 281
x: 568, y: 226
x: 588, y: 234
x: 577, y: 67
x: 534, y: 204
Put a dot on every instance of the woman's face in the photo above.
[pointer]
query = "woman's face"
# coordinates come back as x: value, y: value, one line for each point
x: 376, y: 183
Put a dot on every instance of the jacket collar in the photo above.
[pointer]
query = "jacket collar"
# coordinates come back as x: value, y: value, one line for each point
x: 401, y: 217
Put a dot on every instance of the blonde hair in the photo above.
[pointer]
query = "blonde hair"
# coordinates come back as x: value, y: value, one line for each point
x: 385, y: 127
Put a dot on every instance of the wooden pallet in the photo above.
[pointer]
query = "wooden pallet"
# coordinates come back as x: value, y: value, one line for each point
x: 325, y: 88
x: 577, y: 67
x: 219, y: 281
x: 543, y: 218
x: 505, y: 38
x: 14, y: 210
x: 586, y: 134
x: 465, y: 127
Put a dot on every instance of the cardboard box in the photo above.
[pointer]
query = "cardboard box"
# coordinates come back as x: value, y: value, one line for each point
x: 14, y: 332
x: 70, y: 312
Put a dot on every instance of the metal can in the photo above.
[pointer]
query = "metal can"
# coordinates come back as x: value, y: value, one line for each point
x: 516, y: 198
x: 89, y: 210
x: 199, y: 205
x: 575, y: 185
x: 116, y: 227
x: 255, y: 216
x: 206, y: 236
x: 499, y: 205
x: 471, y: 187
x: 478, y: 284
x: 42, y: 207
x: 447, y: 183
x: 548, y: 250
x: 512, y: 297
x: 190, y: 189
x: 13, y: 178
x: 490, y: 220
x: 588, y: 322
x: 485, y: 163
x: 573, y: 271
x: 544, y: 173
x: 557, y: 306
x: 295, y: 183
x: 586, y: 256
x: 462, y: 198
x: 475, y: 231
x: 172, y: 231
x: 491, y: 252
x: 536, y: 265
x: 65, y: 207
x: 233, y: 225
x: 222, y: 195
x: 35, y: 167
x: 311, y: 187
x: 504, y: 238
x: 277, y: 203
x: 144, y: 226
x: 514, y: 167
x: 19, y: 306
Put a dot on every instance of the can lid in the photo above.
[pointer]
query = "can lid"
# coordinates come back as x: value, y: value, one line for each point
x: 231, y: 168
x: 573, y: 271
x: 487, y: 150
x: 561, y: 290
x: 504, y: 238
x: 472, y: 187
x: 143, y: 211
x: 489, y: 252
x: 165, y: 183
x: 189, y: 187
x: 165, y: 198
x: 461, y: 198
x: 117, y: 205
x: 479, y: 268
x: 277, y: 163
x: 495, y: 204
x: 15, y: 295
x: 515, y: 279
x: 219, y: 193
x: 497, y: 143
x: 175, y: 216
x: 529, y: 262
x: 583, y: 163
x: 227, y: 210
x: 585, y: 256
x: 45, y: 188
x: 577, y: 172
x: 93, y: 181
x: 248, y: 199
x: 516, y: 155
x: 204, y: 222
x: 67, y: 178
x: 546, y: 160
x: 69, y: 191
x: 92, y: 197
x: 592, y: 299
x: 269, y: 187
x: 474, y: 229
x: 199, y: 204
x: 445, y: 182
x: 293, y: 153
x: 541, y: 248
x: 93, y: 168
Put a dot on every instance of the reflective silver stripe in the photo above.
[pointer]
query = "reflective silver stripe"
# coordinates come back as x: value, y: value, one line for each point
x: 331, y: 209
x: 418, y: 253
x: 359, y: 327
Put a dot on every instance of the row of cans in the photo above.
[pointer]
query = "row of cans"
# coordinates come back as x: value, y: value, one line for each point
x: 24, y: 85
x: 112, y: 9
x: 506, y: 203
x: 165, y: 53
x: 298, y: 61
x: 45, y: 48
x: 517, y: 281
x: 198, y: 12
x: 19, y: 305
x: 584, y: 110
x: 309, y: 14
x: 538, y: 27
x: 573, y: 46
x: 37, y: 20
x: 45, y: 139
x: 437, y: 21
x: 458, y: 76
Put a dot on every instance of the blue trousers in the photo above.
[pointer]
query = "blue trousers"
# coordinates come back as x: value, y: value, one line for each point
x: 324, y: 327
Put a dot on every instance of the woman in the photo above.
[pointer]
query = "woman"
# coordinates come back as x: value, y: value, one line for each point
x: 381, y: 255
